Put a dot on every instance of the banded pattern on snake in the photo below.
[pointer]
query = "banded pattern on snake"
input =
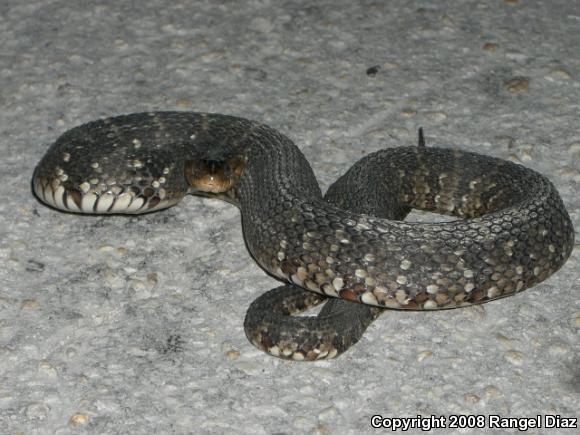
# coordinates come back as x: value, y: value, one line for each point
x: 512, y: 230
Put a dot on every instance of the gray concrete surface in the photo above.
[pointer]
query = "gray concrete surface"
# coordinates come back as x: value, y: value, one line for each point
x: 133, y: 325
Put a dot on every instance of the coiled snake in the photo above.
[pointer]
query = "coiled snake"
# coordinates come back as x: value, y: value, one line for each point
x: 513, y: 230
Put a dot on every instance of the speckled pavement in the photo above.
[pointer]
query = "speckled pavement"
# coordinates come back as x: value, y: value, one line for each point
x: 134, y: 325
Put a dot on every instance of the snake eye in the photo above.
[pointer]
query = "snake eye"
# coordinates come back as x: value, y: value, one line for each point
x: 213, y: 176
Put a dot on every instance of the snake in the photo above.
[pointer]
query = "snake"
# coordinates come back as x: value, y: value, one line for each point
x: 351, y: 247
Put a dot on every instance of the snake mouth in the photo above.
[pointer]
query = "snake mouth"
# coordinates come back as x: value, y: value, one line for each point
x: 213, y: 176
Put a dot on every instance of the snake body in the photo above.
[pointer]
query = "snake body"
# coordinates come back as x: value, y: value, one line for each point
x: 512, y: 230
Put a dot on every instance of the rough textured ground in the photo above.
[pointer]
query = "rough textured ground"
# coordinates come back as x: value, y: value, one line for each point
x: 134, y: 324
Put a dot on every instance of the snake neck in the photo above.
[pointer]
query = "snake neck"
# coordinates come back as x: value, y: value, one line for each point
x: 274, y: 194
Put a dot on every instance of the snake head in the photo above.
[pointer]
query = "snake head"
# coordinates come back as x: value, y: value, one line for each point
x: 209, y: 175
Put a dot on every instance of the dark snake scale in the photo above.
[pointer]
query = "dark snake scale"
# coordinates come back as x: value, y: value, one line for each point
x: 512, y: 230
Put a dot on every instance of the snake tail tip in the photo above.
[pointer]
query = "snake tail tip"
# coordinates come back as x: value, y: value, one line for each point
x: 421, y: 143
